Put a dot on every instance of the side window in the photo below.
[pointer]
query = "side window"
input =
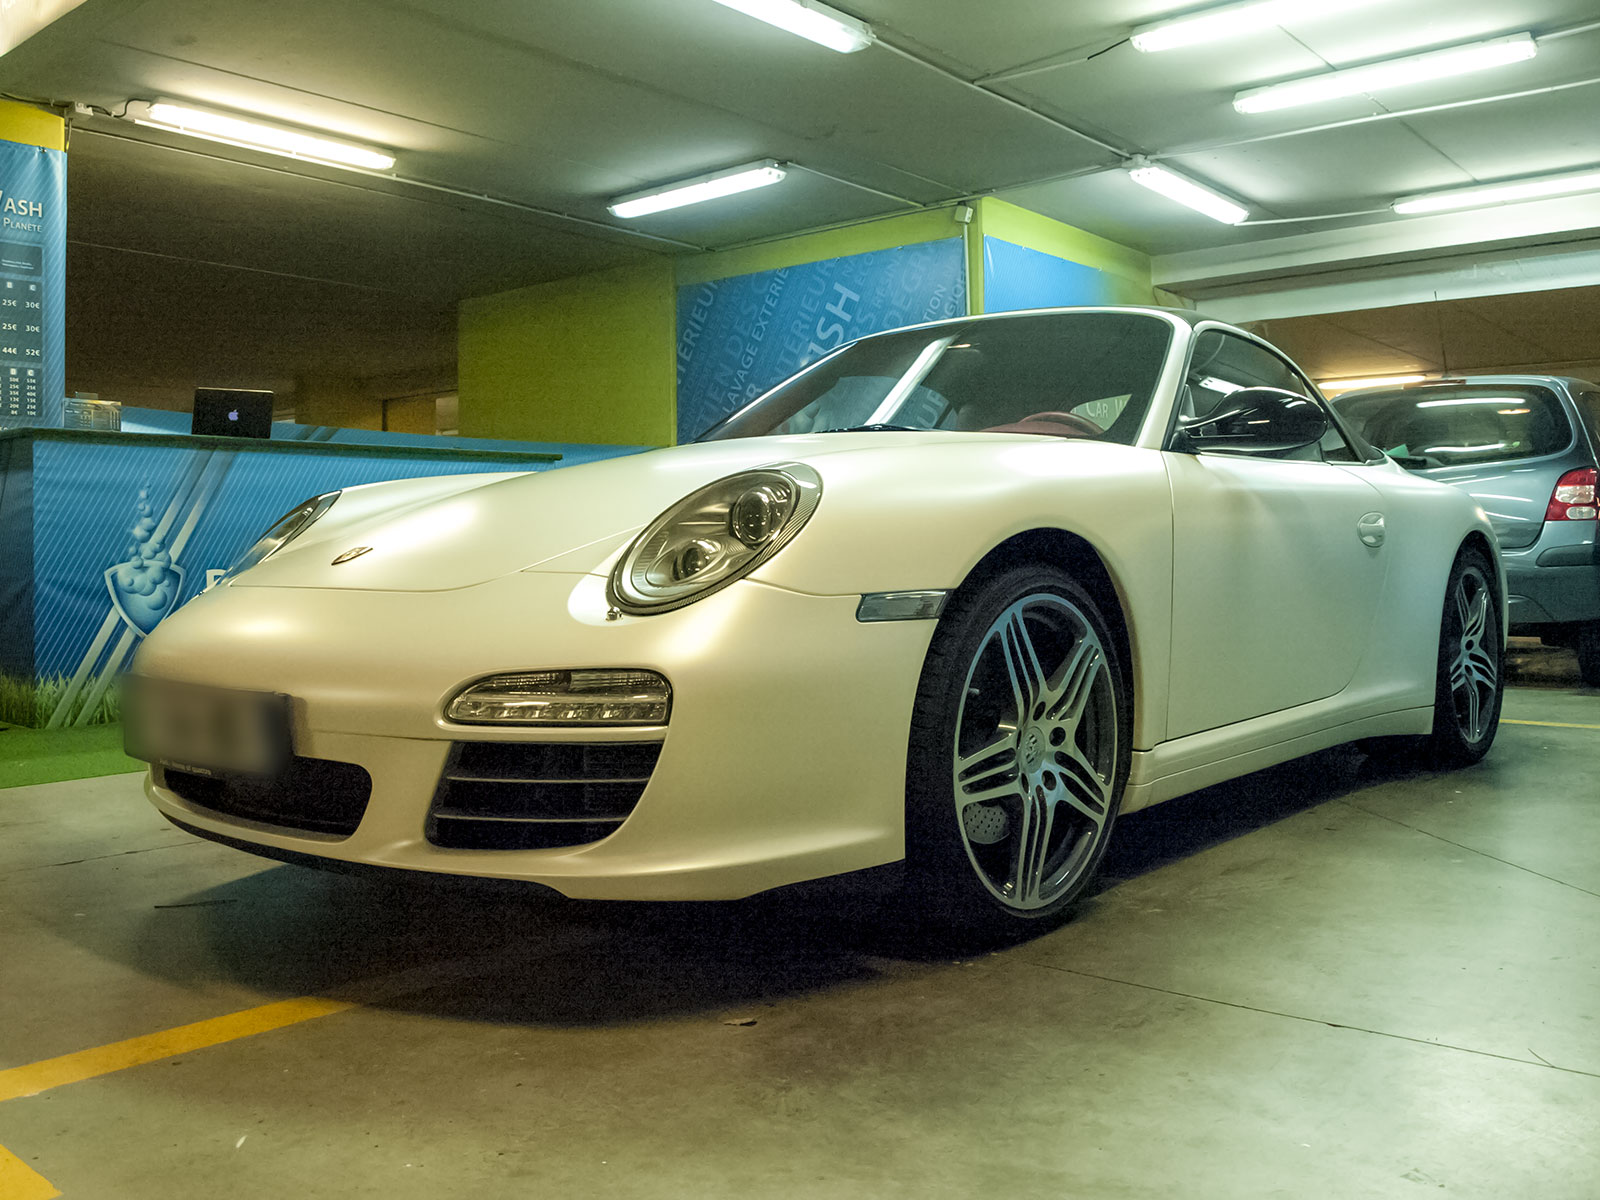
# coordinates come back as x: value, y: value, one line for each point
x: 1222, y: 364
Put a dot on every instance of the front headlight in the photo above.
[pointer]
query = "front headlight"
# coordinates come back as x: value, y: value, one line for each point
x: 714, y: 536
x: 284, y: 530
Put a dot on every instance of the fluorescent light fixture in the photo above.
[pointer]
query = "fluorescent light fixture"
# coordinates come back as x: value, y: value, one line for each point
x: 256, y: 135
x: 1396, y: 72
x: 805, y: 18
x: 1466, y: 403
x: 1482, y: 196
x: 698, y: 189
x: 1375, y: 381
x: 1231, y: 20
x: 1186, y: 192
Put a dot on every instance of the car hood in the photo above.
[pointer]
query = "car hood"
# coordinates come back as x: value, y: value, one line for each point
x: 440, y: 534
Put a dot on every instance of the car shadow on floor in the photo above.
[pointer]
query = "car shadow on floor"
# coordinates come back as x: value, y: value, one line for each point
x: 498, y: 954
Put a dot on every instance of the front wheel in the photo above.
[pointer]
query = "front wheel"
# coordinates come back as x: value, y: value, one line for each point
x: 1470, y: 684
x: 1020, y: 745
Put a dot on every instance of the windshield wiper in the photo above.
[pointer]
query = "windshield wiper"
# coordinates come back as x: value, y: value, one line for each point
x: 876, y: 429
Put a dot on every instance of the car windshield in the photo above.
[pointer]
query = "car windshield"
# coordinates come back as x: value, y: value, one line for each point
x: 1088, y: 374
x: 1458, y: 425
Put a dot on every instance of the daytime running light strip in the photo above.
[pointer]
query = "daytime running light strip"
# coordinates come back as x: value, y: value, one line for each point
x: 1396, y: 72
x: 1186, y: 192
x: 255, y: 135
x: 1231, y: 20
x: 700, y: 189
x: 804, y: 18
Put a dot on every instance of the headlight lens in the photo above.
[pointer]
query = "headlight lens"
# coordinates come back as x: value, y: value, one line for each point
x: 599, y: 697
x: 714, y: 536
x: 284, y: 530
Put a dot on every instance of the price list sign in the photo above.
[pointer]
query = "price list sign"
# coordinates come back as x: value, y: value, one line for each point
x: 32, y: 284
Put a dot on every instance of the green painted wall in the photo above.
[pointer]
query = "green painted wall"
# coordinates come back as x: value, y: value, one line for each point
x: 30, y: 126
x: 1128, y: 268
x: 590, y: 359
x: 924, y: 226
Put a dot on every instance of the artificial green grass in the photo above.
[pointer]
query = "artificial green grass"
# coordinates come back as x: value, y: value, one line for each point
x: 51, y: 755
x: 32, y: 702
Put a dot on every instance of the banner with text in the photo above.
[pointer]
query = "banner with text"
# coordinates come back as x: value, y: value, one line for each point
x: 33, y: 266
x: 738, y: 337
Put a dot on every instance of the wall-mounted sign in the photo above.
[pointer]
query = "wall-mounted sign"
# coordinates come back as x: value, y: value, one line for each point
x: 33, y: 263
x: 738, y: 337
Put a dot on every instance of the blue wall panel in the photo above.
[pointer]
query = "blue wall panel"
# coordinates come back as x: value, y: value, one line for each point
x: 1016, y: 277
x: 738, y: 337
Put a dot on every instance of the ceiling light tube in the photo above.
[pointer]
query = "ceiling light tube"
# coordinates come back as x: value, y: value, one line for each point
x: 1484, y: 195
x: 1186, y: 192
x: 1231, y: 20
x: 1396, y: 72
x: 805, y: 18
x: 698, y: 189
x: 256, y: 135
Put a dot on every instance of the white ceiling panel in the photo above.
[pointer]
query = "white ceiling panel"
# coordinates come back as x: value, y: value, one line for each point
x: 514, y: 124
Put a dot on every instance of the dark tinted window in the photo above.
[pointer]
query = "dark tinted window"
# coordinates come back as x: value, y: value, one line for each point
x: 1589, y: 408
x: 1078, y: 374
x: 1460, y: 424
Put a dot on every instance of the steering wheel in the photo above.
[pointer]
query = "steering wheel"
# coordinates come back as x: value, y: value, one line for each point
x: 1051, y: 424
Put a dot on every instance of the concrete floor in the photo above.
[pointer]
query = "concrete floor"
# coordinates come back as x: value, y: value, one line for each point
x: 1332, y: 979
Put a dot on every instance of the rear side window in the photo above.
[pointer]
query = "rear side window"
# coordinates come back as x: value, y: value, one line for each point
x: 1459, y: 425
x: 1589, y: 409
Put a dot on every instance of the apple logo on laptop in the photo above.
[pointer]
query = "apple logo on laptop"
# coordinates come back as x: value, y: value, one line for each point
x: 234, y: 415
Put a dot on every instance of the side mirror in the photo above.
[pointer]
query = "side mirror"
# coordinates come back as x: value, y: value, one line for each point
x: 1258, y: 420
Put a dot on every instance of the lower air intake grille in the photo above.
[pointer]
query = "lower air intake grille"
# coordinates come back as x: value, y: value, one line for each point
x: 311, y: 794
x: 517, y: 796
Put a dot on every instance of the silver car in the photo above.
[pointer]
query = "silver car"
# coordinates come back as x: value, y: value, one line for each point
x: 1526, y: 448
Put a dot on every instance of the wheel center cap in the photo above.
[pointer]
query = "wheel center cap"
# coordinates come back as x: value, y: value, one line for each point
x: 1032, y: 750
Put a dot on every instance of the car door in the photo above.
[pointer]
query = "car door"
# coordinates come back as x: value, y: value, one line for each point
x: 1278, y: 562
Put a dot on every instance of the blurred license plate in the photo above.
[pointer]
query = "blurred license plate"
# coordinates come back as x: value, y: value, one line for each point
x: 204, y: 730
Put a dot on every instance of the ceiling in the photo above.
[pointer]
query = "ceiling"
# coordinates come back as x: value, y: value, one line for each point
x: 1553, y: 332
x: 513, y: 124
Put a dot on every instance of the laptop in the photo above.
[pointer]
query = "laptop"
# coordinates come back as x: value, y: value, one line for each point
x: 230, y: 412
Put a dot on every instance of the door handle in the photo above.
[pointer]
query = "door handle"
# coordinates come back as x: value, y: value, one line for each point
x: 1370, y: 528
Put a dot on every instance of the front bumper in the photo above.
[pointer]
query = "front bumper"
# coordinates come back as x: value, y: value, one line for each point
x: 784, y: 758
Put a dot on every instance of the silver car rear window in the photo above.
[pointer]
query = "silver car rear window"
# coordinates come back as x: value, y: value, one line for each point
x: 1460, y: 425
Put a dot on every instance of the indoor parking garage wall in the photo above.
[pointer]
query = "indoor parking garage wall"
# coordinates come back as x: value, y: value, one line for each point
x: 656, y: 354
x: 749, y: 319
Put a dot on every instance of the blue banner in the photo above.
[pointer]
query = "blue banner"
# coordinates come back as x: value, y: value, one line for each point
x: 105, y: 535
x: 33, y: 266
x: 738, y: 337
x: 1016, y: 277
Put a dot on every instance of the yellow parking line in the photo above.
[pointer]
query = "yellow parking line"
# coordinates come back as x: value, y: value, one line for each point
x: 37, y: 1077
x: 19, y: 1181
x: 1547, y: 724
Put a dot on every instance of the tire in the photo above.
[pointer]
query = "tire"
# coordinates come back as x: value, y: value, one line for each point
x: 1588, y: 647
x: 1020, y: 744
x: 1470, y: 679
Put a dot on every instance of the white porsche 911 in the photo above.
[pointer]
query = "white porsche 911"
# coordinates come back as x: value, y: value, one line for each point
x: 956, y: 594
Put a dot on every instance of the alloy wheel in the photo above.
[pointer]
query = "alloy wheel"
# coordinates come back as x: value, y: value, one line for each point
x: 1474, y: 671
x: 1035, y: 753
